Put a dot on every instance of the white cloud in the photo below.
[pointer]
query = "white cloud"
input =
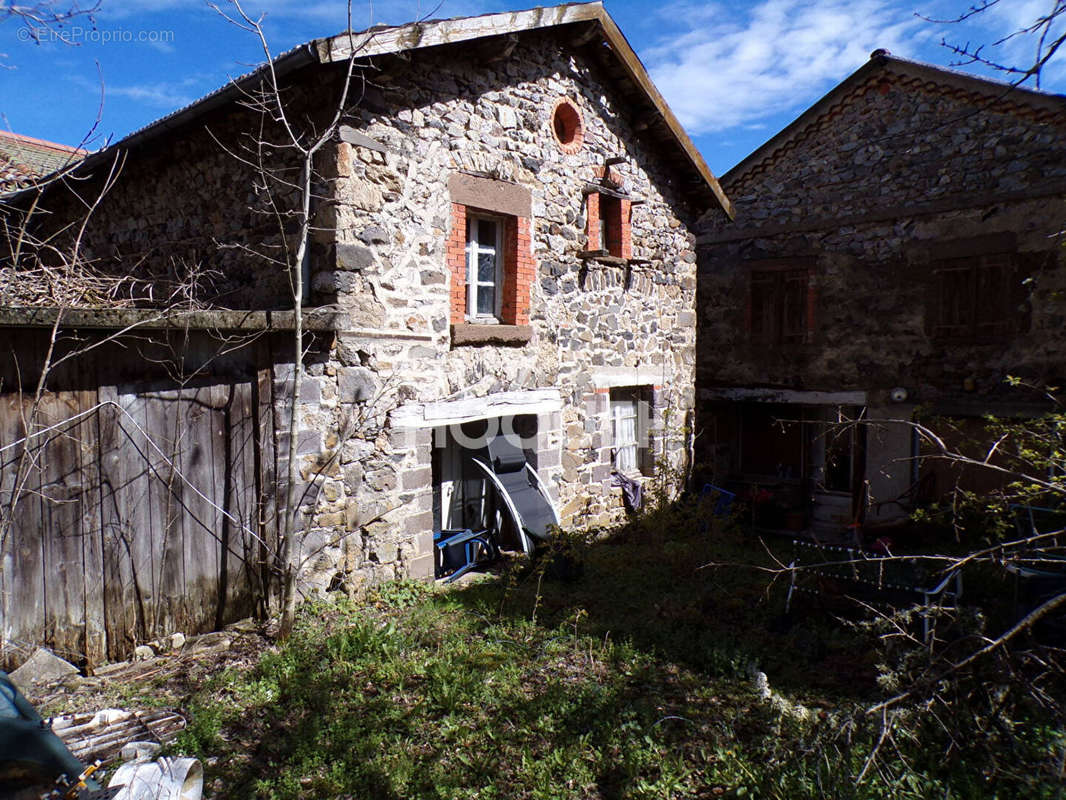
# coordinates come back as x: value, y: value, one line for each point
x: 723, y: 72
x: 160, y: 95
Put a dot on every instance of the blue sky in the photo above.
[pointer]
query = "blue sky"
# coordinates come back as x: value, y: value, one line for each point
x: 734, y: 72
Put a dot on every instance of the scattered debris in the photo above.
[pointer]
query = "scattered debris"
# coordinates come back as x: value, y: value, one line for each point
x: 143, y: 653
x: 163, y: 779
x: 220, y: 639
x: 117, y: 737
x: 140, y: 751
x: 32, y: 758
x: 101, y: 736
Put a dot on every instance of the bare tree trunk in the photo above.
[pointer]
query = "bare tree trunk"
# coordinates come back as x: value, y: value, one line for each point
x: 289, y: 570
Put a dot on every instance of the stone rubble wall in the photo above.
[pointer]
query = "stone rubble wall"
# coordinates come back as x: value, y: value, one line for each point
x: 870, y: 192
x: 379, y: 256
x: 388, y: 233
x: 191, y: 208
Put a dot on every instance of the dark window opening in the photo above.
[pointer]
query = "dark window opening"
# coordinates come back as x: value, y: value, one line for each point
x: 611, y: 225
x: 977, y: 297
x: 779, y: 306
x: 567, y: 126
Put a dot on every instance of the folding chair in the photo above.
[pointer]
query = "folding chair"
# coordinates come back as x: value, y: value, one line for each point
x: 459, y: 551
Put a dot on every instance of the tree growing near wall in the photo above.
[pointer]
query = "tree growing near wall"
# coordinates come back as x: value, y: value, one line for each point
x: 285, y: 153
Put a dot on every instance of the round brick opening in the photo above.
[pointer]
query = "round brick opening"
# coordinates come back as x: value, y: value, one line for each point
x: 568, y: 126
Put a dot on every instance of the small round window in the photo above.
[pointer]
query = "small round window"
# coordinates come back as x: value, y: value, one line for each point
x: 567, y: 125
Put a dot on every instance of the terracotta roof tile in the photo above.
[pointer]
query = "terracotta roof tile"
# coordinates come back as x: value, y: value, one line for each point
x: 23, y: 158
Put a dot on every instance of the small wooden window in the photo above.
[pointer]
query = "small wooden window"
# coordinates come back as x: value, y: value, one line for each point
x: 778, y: 304
x: 976, y: 298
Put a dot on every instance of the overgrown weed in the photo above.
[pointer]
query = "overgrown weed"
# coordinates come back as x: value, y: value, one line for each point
x: 636, y: 679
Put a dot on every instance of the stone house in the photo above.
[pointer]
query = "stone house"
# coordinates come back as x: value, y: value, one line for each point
x: 896, y: 249
x: 503, y: 240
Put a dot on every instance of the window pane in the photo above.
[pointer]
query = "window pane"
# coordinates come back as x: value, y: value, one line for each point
x: 486, y: 300
x: 625, y: 434
x: 486, y: 267
x: 486, y: 233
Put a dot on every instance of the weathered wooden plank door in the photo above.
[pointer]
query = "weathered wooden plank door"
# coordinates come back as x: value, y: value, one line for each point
x: 152, y: 513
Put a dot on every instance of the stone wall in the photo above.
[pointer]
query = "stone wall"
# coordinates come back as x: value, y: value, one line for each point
x: 191, y: 208
x: 894, y: 175
x: 380, y: 255
x: 898, y: 174
x: 594, y: 323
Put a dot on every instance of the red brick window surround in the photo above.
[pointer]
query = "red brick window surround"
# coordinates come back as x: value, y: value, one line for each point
x: 609, y: 224
x: 781, y: 303
x: 609, y: 217
x: 568, y: 126
x: 491, y: 264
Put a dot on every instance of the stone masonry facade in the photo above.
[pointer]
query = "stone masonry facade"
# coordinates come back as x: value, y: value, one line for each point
x: 899, y: 174
x: 593, y: 323
x: 439, y: 135
x: 851, y: 224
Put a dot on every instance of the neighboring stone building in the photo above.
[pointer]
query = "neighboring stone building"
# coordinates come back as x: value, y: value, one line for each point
x: 897, y: 247
x: 503, y: 238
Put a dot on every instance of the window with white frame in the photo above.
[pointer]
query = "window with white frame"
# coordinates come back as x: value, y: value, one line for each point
x: 484, y: 267
x: 630, y: 413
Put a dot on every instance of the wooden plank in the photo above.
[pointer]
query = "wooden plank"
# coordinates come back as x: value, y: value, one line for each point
x: 200, y: 540
x: 243, y: 503
x: 221, y: 470
x: 91, y: 527
x: 61, y: 532
x: 266, y: 483
x: 169, y: 609
x: 27, y: 605
x: 138, y: 508
x: 8, y: 462
x: 118, y: 472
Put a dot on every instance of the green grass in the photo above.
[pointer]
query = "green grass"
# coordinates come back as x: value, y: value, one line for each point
x: 633, y: 681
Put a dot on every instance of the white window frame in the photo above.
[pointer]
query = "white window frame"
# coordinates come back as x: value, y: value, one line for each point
x: 628, y: 452
x: 473, y: 249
